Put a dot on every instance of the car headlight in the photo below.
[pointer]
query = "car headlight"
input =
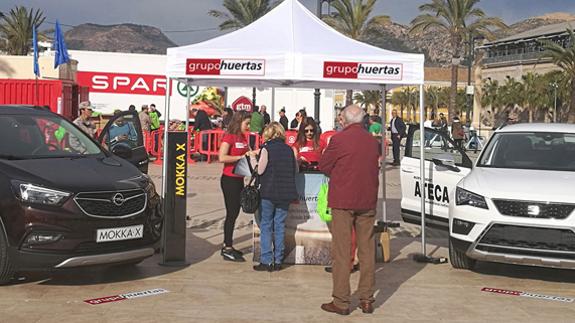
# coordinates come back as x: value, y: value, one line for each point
x: 31, y: 193
x: 464, y: 197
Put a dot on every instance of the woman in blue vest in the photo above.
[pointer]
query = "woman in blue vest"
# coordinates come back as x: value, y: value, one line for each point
x: 277, y: 169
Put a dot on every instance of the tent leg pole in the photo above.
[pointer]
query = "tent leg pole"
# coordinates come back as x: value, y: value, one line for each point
x: 423, y: 257
x: 383, y: 226
x: 273, y: 104
x: 165, y: 141
x: 383, y: 114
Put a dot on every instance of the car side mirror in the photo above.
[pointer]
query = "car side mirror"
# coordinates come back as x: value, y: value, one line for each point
x: 446, y: 163
x: 122, y: 151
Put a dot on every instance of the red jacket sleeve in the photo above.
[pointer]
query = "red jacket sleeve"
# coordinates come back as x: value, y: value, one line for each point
x: 329, y: 157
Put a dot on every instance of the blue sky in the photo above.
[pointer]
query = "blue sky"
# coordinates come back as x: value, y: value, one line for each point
x: 192, y: 14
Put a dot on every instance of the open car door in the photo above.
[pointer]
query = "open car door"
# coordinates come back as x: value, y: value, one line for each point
x: 445, y: 166
x: 123, y: 137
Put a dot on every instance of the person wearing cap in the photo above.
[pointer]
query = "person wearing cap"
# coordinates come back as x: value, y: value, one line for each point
x: 283, y: 119
x: 83, y: 120
x: 85, y: 124
x: 145, y: 120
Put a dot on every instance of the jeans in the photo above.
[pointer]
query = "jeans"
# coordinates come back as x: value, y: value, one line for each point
x: 272, y: 223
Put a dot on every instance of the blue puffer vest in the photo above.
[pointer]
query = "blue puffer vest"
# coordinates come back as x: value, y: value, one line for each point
x: 278, y: 180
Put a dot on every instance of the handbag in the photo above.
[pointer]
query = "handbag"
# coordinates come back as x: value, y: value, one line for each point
x: 250, y: 195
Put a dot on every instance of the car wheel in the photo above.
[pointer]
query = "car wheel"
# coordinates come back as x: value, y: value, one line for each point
x: 6, y: 268
x: 459, y: 260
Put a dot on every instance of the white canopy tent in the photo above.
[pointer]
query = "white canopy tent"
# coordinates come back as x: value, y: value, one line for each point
x: 291, y: 47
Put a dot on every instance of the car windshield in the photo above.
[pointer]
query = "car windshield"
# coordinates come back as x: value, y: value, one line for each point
x: 534, y: 150
x: 42, y: 136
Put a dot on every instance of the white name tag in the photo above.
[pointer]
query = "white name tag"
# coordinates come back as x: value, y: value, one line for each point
x: 240, y: 145
x: 305, y: 149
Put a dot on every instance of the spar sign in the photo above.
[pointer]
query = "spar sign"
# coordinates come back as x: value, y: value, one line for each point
x: 242, y: 104
x: 226, y: 66
x: 363, y: 71
x: 125, y: 83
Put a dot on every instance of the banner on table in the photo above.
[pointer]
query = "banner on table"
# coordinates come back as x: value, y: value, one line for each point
x: 307, y: 239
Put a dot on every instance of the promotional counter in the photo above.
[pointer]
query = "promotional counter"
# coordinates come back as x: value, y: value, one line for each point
x: 307, y: 239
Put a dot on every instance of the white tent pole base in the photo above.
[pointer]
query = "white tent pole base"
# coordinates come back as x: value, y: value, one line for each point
x: 423, y: 257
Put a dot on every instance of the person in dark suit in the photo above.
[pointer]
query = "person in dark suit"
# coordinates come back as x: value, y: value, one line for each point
x: 397, y: 128
x: 201, y: 122
x: 283, y: 119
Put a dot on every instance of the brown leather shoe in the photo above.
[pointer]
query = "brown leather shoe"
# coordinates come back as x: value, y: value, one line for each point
x: 366, y: 307
x: 332, y: 308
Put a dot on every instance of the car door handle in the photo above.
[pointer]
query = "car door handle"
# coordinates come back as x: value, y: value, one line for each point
x: 408, y: 171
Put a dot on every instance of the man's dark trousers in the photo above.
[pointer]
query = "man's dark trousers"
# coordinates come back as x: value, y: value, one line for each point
x: 396, y: 140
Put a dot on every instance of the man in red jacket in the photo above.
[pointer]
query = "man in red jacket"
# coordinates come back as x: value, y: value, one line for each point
x: 351, y: 162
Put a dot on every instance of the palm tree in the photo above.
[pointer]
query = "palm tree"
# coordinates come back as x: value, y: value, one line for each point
x: 352, y: 19
x: 557, y: 90
x: 399, y: 98
x: 564, y: 57
x: 534, y: 93
x: 369, y: 98
x: 490, y: 95
x: 457, y: 19
x: 432, y: 99
x: 511, y: 94
x: 16, y: 29
x: 240, y: 14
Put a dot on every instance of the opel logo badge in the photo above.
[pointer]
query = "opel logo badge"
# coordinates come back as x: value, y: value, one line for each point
x: 118, y: 199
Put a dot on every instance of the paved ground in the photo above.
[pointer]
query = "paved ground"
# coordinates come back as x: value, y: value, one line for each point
x: 211, y: 290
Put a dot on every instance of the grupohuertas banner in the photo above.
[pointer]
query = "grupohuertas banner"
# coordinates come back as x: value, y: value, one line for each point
x: 307, y: 239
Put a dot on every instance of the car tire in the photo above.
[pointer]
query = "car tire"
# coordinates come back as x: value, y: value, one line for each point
x: 459, y: 260
x: 6, y: 268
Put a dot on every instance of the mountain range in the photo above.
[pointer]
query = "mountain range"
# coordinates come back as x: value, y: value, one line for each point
x: 132, y: 38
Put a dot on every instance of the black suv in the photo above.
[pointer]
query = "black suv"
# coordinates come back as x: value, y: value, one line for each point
x: 67, y: 200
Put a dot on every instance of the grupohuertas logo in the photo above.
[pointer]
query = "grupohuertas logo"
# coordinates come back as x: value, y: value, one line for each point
x: 225, y: 66
x: 363, y: 71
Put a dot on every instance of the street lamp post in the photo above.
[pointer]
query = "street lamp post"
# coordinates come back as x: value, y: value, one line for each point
x: 469, y: 66
x: 470, y: 60
x: 555, y: 86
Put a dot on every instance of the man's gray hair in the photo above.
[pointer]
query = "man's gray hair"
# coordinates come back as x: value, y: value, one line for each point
x: 352, y: 114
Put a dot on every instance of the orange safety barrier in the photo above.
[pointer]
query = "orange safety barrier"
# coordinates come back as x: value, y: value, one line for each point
x: 193, y: 140
x: 157, y: 146
x: 213, y: 139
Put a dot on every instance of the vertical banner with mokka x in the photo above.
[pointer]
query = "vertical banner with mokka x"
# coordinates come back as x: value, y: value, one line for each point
x: 174, y: 237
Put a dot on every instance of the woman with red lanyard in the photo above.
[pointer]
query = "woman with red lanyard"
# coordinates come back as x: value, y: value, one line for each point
x: 308, y: 146
x: 233, y: 148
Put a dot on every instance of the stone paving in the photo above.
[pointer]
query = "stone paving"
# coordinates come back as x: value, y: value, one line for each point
x: 211, y: 290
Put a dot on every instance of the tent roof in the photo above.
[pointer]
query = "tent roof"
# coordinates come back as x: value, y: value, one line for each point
x: 291, y: 47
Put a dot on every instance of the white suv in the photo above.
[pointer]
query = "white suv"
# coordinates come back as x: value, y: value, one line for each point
x: 515, y: 205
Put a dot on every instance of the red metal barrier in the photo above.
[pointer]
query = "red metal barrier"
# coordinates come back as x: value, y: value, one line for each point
x: 213, y: 139
x: 156, y: 145
x: 326, y: 136
x: 291, y: 137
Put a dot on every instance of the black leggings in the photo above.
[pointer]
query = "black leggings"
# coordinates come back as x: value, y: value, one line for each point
x: 231, y: 186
